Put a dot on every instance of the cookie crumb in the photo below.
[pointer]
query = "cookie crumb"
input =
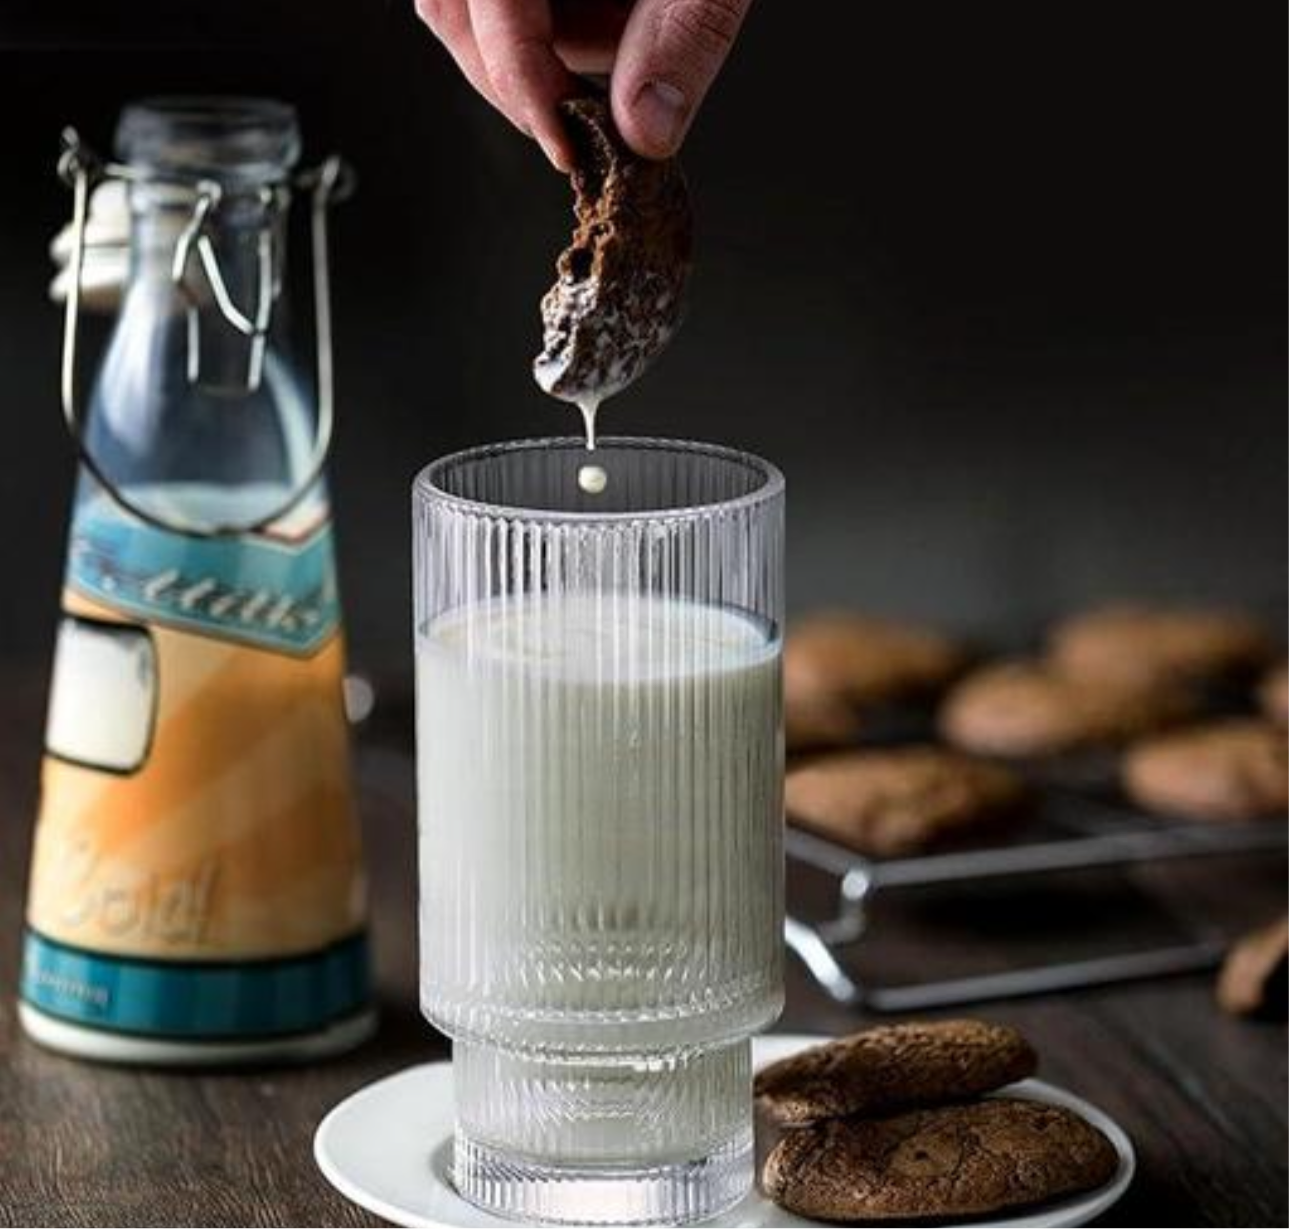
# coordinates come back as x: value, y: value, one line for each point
x: 1255, y: 975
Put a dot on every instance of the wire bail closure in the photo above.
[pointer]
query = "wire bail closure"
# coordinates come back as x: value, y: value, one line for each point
x: 195, y: 236
x: 330, y: 182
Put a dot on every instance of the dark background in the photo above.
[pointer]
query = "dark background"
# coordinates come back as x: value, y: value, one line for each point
x: 1002, y: 289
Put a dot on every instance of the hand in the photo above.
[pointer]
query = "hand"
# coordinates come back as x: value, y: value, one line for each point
x: 521, y: 56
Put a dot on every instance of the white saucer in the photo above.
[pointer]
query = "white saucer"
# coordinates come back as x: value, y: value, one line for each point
x: 388, y: 1147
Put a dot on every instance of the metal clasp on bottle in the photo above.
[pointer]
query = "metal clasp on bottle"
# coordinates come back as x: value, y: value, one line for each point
x: 329, y: 182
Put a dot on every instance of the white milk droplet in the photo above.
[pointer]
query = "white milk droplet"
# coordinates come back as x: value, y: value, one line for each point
x: 592, y: 479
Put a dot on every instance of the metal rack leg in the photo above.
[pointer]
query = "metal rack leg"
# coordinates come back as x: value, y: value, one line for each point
x: 1074, y: 975
x: 852, y: 895
x: 818, y: 957
x: 821, y: 960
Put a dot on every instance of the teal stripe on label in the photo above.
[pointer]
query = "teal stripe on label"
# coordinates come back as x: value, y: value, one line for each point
x: 196, y: 1001
x: 251, y: 588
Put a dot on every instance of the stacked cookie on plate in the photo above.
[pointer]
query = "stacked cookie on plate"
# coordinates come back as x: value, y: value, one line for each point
x: 907, y: 1121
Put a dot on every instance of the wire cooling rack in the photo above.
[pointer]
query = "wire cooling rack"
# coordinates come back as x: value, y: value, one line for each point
x: 1069, y: 831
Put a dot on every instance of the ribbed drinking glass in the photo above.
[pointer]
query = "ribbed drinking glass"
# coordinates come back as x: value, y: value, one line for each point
x: 600, y: 758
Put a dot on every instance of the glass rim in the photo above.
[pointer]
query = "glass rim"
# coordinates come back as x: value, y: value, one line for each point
x: 236, y: 138
x: 229, y: 110
x: 426, y: 485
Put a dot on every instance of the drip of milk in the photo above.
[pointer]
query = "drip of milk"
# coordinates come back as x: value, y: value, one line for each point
x: 590, y: 406
x: 591, y: 478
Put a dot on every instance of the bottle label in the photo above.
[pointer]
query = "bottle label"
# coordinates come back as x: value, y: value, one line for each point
x: 197, y: 867
x: 272, y: 592
x: 196, y: 1001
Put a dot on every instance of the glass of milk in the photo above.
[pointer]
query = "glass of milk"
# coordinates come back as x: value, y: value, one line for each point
x: 600, y: 760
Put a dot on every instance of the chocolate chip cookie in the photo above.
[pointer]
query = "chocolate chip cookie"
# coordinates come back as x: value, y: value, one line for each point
x: 954, y: 1161
x: 618, y: 297
x: 1225, y: 770
x: 837, y: 664
x: 1027, y: 709
x: 893, y: 1067
x: 1151, y: 644
x: 890, y: 803
x: 1255, y: 975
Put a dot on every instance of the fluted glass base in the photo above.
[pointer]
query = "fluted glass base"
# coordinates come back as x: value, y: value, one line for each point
x: 603, y: 1142
x: 678, y: 1193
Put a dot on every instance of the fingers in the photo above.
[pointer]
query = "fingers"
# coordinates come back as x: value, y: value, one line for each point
x: 516, y: 45
x: 454, y: 23
x: 513, y: 54
x: 671, y: 50
x: 449, y: 21
x: 587, y: 33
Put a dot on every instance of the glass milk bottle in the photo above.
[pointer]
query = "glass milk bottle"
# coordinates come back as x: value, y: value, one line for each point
x: 196, y: 891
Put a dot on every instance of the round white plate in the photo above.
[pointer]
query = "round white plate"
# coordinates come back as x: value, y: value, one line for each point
x: 388, y: 1147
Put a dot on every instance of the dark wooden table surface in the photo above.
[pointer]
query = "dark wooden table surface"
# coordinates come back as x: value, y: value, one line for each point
x: 1203, y: 1096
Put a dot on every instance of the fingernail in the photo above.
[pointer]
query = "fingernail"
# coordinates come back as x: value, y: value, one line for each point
x: 554, y: 154
x: 662, y: 110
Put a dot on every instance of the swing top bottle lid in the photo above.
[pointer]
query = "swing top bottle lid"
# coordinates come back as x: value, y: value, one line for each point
x: 231, y: 139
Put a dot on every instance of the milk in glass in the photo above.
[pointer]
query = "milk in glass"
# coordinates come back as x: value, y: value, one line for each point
x: 600, y: 845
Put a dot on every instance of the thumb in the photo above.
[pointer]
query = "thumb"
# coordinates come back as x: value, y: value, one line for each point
x: 669, y: 54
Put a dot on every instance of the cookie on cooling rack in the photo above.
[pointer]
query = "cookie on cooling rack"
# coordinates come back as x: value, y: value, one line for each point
x: 1224, y: 770
x: 816, y: 717
x: 1029, y: 710
x: 837, y: 664
x: 1273, y: 695
x: 906, y: 800
x: 1148, y: 644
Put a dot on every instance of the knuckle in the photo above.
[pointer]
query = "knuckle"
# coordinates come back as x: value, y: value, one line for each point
x: 506, y: 76
x: 517, y: 66
x: 708, y: 25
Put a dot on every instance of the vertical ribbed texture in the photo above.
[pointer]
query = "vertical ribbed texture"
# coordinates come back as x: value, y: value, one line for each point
x: 600, y: 752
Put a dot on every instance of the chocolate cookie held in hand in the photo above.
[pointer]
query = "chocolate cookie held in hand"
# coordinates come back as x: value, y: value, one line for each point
x: 618, y: 299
